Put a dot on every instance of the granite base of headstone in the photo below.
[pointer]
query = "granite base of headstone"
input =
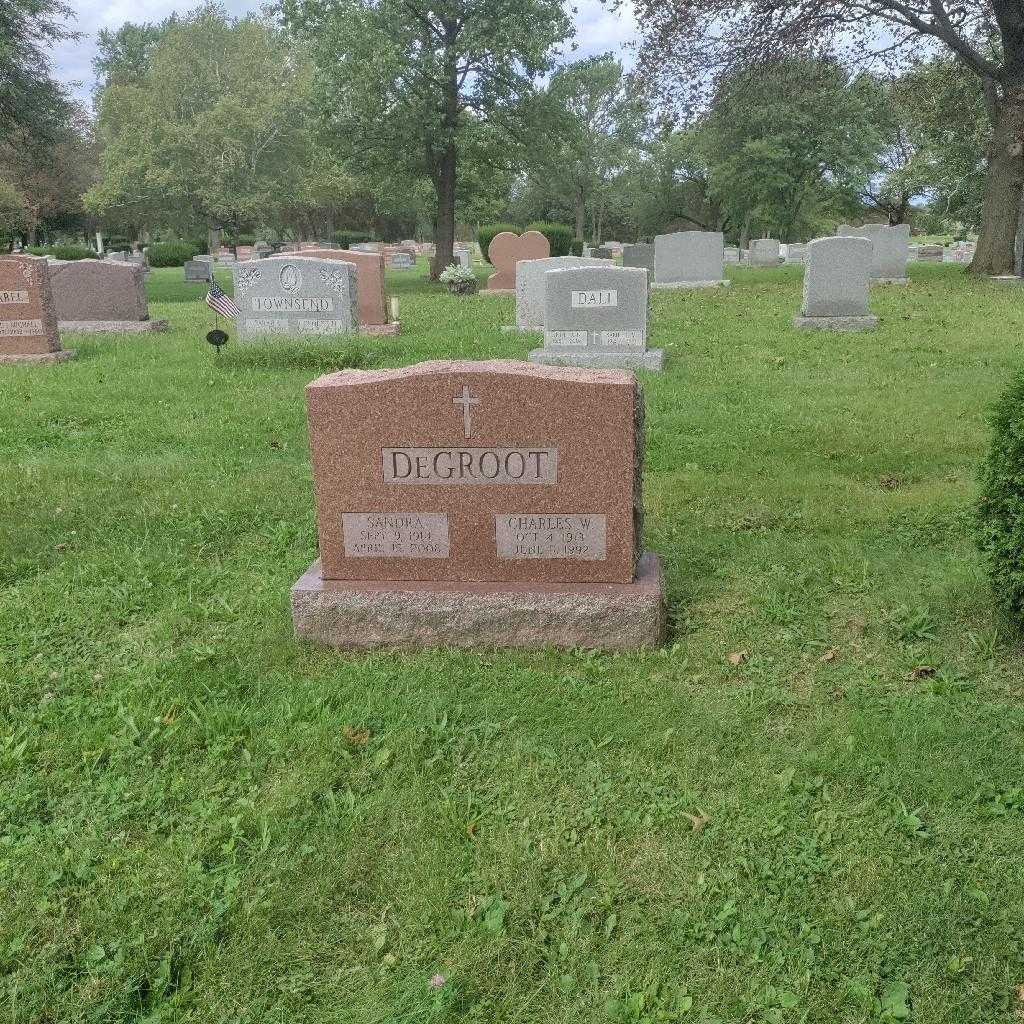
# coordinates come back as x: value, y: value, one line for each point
x: 479, y: 504
x: 836, y: 285
x: 597, y: 317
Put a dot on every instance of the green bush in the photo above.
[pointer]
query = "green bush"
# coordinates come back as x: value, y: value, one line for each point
x: 999, y: 513
x: 171, y: 254
x: 346, y: 239
x: 487, y: 232
x: 63, y: 252
x: 559, y: 236
x: 576, y: 247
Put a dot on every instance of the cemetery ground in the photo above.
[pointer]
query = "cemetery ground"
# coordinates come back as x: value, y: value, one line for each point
x: 807, y: 807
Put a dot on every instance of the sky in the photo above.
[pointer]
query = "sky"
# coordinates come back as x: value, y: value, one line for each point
x: 598, y: 30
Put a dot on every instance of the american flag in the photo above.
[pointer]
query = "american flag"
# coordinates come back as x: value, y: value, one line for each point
x: 217, y: 299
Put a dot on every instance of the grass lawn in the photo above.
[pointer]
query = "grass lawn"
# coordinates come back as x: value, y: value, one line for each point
x: 809, y: 807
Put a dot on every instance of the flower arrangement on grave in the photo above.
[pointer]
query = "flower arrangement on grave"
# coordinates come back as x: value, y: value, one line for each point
x: 459, y: 280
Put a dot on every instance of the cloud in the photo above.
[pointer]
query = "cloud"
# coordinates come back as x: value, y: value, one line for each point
x: 598, y: 30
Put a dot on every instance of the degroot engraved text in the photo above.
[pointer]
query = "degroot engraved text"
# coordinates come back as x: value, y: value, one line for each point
x: 470, y: 465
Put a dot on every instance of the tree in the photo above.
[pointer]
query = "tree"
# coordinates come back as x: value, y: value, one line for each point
x: 786, y: 139
x: 592, y: 124
x: 124, y: 56
x: 218, y: 131
x: 694, y: 44
x: 406, y: 85
x: 29, y: 96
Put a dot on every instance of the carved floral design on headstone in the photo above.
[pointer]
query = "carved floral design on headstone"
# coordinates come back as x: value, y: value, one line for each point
x: 246, y: 279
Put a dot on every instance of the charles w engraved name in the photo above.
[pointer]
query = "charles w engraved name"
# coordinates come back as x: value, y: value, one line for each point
x: 470, y: 465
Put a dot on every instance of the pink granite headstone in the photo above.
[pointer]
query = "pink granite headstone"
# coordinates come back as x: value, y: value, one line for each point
x: 28, y: 319
x: 506, y: 250
x: 371, y: 296
x: 479, y: 502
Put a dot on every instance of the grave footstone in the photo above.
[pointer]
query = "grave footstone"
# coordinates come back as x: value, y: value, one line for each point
x: 98, y: 296
x: 28, y: 317
x: 372, y: 299
x: 597, y: 317
x: 689, y: 259
x: 639, y: 255
x: 479, y: 504
x: 293, y: 296
x: 836, y: 285
x: 764, y: 252
x: 530, y: 287
x: 505, y: 251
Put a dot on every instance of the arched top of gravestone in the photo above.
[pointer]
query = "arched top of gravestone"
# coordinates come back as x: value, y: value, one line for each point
x: 507, y: 249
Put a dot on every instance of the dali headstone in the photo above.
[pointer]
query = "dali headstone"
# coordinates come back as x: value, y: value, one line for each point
x: 479, y: 503
x: 836, y: 285
x: 28, y: 318
x: 689, y: 259
x: 294, y: 296
x: 597, y: 317
x: 530, y: 286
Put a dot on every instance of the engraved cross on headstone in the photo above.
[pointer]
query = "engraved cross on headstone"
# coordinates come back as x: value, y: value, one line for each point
x: 467, y: 400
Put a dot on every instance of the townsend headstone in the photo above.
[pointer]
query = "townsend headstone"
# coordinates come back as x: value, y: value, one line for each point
x: 505, y: 251
x: 530, y: 287
x: 372, y: 300
x: 689, y: 259
x: 597, y: 317
x: 94, y: 296
x: 764, y: 252
x: 467, y: 504
x: 639, y: 255
x: 294, y: 296
x: 28, y: 318
x: 836, y: 285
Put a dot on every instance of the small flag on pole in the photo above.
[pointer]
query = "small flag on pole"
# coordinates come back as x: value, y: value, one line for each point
x: 218, y: 300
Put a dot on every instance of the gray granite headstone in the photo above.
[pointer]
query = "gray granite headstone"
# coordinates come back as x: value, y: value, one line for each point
x: 836, y: 279
x: 401, y: 261
x: 639, y: 255
x: 198, y: 270
x: 796, y: 252
x: 764, y: 252
x: 689, y: 259
x: 300, y: 296
x: 732, y: 254
x: 597, y: 316
x: 530, y: 286
x: 890, y: 250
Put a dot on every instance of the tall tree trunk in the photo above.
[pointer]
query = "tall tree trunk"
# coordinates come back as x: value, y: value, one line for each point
x: 444, y: 219
x: 1004, y: 183
x: 581, y: 213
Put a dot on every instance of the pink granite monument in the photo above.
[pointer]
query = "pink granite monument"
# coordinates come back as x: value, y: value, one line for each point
x: 505, y: 251
x: 479, y: 503
x: 28, y: 319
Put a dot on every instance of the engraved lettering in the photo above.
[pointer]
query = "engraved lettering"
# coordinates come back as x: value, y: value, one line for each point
x: 469, y: 465
x: 395, y: 534
x: 581, y: 537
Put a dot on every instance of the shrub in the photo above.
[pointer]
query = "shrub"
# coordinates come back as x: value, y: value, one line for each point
x: 559, y: 236
x: 487, y: 232
x: 63, y: 251
x: 999, y: 513
x: 347, y: 239
x: 576, y: 247
x: 171, y: 254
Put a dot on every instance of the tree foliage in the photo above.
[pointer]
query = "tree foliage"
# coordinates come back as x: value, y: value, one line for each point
x: 407, y: 85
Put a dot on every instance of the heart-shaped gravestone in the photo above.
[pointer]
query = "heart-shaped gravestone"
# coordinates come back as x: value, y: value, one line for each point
x: 506, y: 250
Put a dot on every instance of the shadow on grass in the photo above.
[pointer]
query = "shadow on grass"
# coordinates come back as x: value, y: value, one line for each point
x: 296, y: 355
